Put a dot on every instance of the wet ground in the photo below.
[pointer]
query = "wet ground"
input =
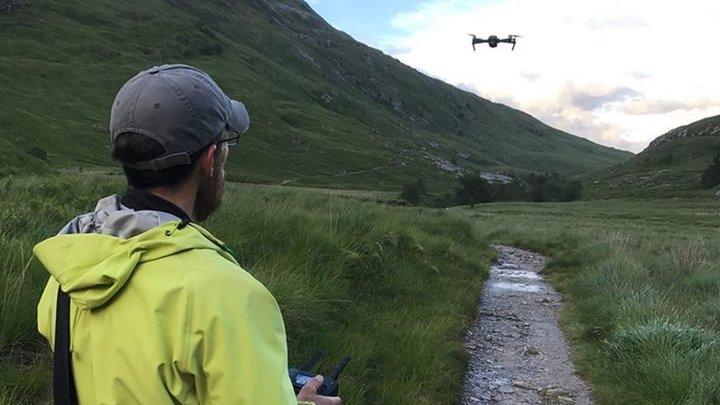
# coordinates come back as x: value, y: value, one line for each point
x: 518, y: 355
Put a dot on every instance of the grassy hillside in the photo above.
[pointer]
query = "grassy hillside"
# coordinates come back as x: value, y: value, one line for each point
x: 325, y: 109
x: 671, y: 165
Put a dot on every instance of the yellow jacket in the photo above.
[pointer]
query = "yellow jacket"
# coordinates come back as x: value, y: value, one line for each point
x: 163, y: 317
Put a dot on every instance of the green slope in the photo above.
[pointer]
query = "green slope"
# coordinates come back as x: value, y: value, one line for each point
x: 670, y: 165
x: 326, y: 110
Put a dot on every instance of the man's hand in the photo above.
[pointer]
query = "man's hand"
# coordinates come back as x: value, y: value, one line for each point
x: 309, y: 393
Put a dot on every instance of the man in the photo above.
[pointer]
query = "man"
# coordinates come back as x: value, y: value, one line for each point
x: 160, y: 311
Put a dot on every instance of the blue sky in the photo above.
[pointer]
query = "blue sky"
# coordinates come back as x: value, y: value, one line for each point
x: 607, y: 70
x: 368, y: 21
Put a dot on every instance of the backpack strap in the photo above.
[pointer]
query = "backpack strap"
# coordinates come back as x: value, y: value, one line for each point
x: 63, y: 384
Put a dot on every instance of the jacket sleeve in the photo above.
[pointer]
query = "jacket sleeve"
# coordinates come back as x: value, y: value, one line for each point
x: 46, y: 311
x: 237, y: 343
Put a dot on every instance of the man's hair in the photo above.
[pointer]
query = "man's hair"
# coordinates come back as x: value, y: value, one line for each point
x: 131, y: 147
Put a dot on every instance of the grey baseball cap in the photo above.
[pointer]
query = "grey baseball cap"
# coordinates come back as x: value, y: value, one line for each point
x: 180, y: 107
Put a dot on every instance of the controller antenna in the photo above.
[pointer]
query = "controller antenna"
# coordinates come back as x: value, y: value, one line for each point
x: 313, y: 361
x: 334, y: 375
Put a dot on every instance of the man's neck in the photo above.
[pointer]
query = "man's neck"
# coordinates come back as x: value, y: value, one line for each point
x: 183, y: 197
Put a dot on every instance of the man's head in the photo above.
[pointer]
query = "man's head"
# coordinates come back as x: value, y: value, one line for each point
x: 170, y: 128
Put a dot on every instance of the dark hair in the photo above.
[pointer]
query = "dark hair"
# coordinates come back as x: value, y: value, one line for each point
x: 131, y: 147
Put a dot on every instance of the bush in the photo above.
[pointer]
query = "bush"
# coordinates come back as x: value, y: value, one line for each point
x: 37, y: 152
x: 413, y: 193
x: 535, y: 187
x: 473, y: 190
x: 711, y: 175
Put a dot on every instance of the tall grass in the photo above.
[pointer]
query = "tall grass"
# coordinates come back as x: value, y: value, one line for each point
x: 393, y: 288
x: 642, y: 282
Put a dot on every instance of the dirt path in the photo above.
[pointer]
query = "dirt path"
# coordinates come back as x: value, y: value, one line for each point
x: 518, y: 355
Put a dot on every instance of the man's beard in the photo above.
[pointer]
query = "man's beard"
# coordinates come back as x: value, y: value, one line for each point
x: 209, y: 196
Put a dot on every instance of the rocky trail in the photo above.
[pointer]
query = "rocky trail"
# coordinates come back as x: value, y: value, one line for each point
x: 518, y: 355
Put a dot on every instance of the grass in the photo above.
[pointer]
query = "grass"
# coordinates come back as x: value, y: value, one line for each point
x: 670, y: 167
x: 393, y: 288
x: 642, y: 284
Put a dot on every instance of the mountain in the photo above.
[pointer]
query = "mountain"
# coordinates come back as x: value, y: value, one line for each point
x: 672, y: 163
x: 325, y: 109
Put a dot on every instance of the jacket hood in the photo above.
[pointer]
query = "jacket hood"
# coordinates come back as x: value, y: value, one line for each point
x: 92, y: 267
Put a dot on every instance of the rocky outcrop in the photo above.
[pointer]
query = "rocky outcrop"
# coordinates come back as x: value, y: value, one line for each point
x: 706, y: 127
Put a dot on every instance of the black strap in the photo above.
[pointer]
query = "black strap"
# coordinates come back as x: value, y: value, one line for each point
x: 63, y: 384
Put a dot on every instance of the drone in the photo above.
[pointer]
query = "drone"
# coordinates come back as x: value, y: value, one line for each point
x: 493, y: 40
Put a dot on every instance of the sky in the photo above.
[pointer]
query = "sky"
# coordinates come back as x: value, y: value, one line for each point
x: 619, y: 73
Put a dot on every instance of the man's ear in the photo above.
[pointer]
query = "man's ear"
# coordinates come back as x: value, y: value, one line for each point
x: 207, y: 161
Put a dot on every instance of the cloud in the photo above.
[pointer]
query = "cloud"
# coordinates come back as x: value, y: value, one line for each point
x: 641, y: 107
x: 530, y: 76
x: 638, y: 75
x: 624, y: 22
x: 616, y: 75
x: 591, y: 99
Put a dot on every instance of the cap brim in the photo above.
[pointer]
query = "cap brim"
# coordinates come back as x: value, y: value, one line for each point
x: 239, y: 120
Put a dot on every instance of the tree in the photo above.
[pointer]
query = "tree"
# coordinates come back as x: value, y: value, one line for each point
x: 413, y: 193
x: 711, y: 175
x: 473, y: 190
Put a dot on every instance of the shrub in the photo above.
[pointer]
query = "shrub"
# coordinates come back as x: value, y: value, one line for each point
x: 413, y: 193
x: 711, y: 175
x: 37, y: 152
x: 473, y: 190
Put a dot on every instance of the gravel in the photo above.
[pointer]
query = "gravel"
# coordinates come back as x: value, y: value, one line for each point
x: 518, y: 355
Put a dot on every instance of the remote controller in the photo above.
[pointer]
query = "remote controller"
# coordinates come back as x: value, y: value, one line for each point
x: 330, y: 385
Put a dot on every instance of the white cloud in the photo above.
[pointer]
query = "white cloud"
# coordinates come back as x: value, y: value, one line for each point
x: 617, y: 72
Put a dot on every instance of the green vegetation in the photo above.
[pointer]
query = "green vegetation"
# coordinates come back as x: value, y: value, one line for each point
x: 711, y: 175
x: 414, y: 193
x: 672, y: 166
x: 641, y: 281
x: 393, y: 288
x: 326, y: 110
x: 396, y: 287
x: 471, y: 190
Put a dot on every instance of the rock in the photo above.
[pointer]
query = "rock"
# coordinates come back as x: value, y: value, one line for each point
x: 554, y: 393
x: 522, y: 384
x: 532, y: 351
x: 565, y: 400
x: 474, y: 399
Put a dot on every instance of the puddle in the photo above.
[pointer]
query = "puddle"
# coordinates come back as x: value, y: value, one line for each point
x: 529, y: 275
x: 501, y: 285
